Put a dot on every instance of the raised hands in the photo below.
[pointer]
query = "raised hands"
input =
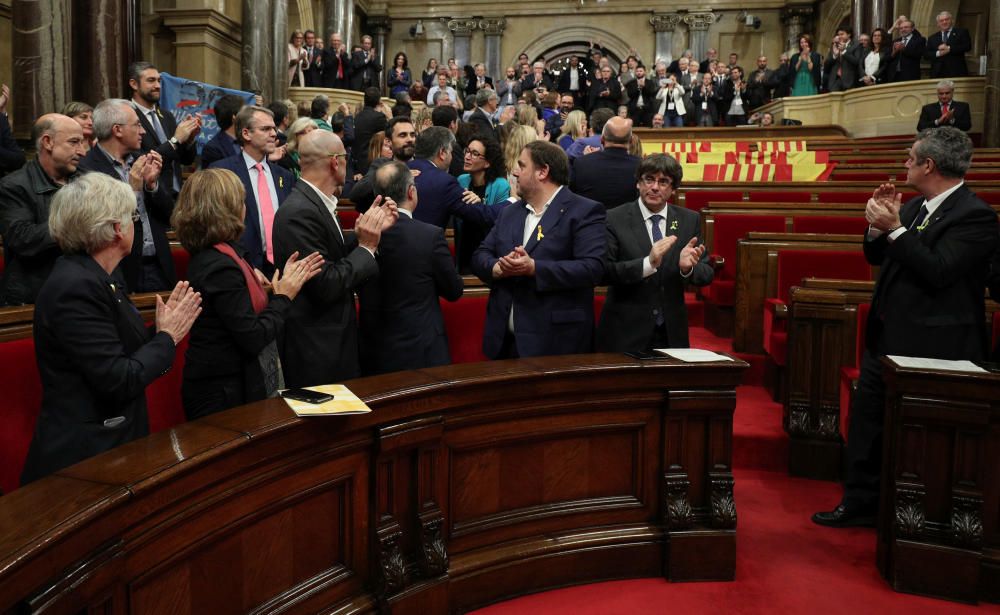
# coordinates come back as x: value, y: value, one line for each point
x: 379, y: 217
x: 660, y: 248
x: 690, y: 255
x: 517, y: 263
x: 296, y: 274
x: 176, y: 316
x: 882, y: 210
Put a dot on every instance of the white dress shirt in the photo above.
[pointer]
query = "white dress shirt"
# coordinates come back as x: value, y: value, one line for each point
x: 530, y: 224
x: 931, y: 207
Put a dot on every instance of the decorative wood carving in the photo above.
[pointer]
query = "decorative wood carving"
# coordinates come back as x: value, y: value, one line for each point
x: 434, y: 554
x: 677, y: 513
x: 910, y: 517
x: 391, y: 565
x: 967, y: 521
x: 723, y: 515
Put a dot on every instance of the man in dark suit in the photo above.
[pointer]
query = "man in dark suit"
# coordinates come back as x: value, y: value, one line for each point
x: 320, y: 341
x: 575, y: 80
x: 538, y: 78
x: 946, y: 111
x: 605, y: 92
x: 907, y: 50
x: 25, y: 195
x: 150, y: 266
x: 336, y: 64
x: 542, y: 260
x: 760, y: 83
x: 608, y: 176
x: 841, y: 65
x: 175, y: 143
x: 482, y: 117
x: 482, y: 80
x: 654, y: 249
x: 402, y: 138
x: 364, y: 66
x: 934, y: 254
x: 641, y: 94
x: 224, y: 143
x: 267, y: 184
x: 947, y: 47
x: 440, y: 193
x: 369, y: 121
x: 401, y: 322
x: 314, y: 61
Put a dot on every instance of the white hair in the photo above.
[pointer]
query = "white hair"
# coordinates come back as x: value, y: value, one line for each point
x: 109, y: 113
x: 83, y: 213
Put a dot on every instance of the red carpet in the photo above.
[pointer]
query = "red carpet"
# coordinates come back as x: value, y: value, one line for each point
x: 785, y: 563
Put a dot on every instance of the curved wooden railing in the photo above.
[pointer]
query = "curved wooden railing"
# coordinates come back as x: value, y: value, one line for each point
x: 468, y: 484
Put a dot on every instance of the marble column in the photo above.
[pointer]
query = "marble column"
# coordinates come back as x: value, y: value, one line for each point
x: 258, y: 53
x: 858, y: 17
x: 664, y: 25
x: 796, y: 18
x: 698, y: 24
x: 991, y: 112
x: 338, y: 16
x: 882, y: 14
x: 492, y: 28
x: 41, y: 60
x: 379, y: 26
x: 106, y: 34
x: 279, y: 41
x: 461, y: 30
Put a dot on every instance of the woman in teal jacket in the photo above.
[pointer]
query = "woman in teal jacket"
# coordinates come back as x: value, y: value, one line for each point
x: 485, y: 183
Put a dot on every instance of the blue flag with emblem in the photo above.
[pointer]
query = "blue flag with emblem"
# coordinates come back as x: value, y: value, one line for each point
x: 185, y: 97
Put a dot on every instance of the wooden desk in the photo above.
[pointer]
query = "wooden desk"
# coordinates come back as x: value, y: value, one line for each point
x: 939, y: 527
x: 468, y: 484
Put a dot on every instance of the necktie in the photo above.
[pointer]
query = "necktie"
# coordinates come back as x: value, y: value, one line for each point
x: 157, y: 127
x: 944, y: 38
x: 920, y: 217
x: 657, y: 233
x: 266, y: 208
x: 944, y: 109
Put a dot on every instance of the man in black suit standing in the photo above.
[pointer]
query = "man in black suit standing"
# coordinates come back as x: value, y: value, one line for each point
x: 605, y: 92
x: 608, y: 176
x: 174, y: 142
x: 320, y: 343
x: 907, y: 50
x: 841, y: 67
x: 150, y: 266
x: 947, y: 47
x: 369, y: 121
x: 314, y: 61
x: 482, y: 80
x: 654, y: 249
x: 641, y: 94
x: 934, y: 254
x: 364, y: 66
x: 575, y: 81
x: 946, y: 111
x: 401, y: 322
x: 336, y: 64
x: 482, y: 117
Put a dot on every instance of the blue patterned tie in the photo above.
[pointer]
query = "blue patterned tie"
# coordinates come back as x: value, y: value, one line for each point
x: 657, y: 233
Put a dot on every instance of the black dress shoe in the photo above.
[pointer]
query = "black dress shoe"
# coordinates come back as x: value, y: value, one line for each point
x: 843, y: 516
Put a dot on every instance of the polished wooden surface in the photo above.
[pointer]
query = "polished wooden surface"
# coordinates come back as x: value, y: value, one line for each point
x: 939, y: 518
x: 466, y: 485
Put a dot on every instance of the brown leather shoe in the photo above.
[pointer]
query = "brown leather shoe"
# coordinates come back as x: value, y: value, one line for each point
x: 844, y: 516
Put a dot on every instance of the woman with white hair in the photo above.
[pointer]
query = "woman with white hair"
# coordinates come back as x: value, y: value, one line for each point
x: 95, y: 354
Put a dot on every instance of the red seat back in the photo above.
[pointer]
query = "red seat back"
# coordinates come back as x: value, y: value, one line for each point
x: 844, y: 197
x: 347, y: 218
x: 728, y: 229
x: 794, y: 265
x: 696, y: 200
x: 991, y: 197
x: 163, y: 396
x: 778, y: 196
x: 837, y: 225
x: 464, y: 322
x: 181, y: 259
x: 22, y: 399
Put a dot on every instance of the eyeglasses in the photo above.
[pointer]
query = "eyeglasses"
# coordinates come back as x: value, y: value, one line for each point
x: 471, y: 152
x: 136, y: 218
x: 649, y: 180
x: 136, y: 124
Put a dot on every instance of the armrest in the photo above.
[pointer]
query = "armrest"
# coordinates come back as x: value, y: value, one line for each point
x: 776, y: 307
x: 716, y: 261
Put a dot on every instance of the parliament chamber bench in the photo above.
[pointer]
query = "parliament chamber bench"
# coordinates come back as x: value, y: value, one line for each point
x: 466, y: 485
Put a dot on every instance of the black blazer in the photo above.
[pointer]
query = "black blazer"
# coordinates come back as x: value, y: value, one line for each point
x: 961, y: 116
x: 483, y: 124
x: 314, y: 69
x: 648, y: 93
x: 712, y: 98
x: 583, y: 76
x: 596, y: 101
x: 366, y: 124
x: 95, y: 358
x: 929, y: 299
x: 607, y: 176
x: 993, y: 284
x: 228, y: 335
x: 221, y: 146
x: 159, y: 206
x: 172, y: 158
x: 364, y: 74
x: 953, y: 63
x: 905, y: 65
x: 331, y: 62
x: 629, y: 316
x: 470, y: 88
x: 401, y: 322
x: 320, y: 344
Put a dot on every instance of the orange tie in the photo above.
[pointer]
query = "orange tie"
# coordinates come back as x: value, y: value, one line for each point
x: 266, y: 209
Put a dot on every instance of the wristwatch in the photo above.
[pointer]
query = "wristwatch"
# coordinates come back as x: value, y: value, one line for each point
x: 173, y: 142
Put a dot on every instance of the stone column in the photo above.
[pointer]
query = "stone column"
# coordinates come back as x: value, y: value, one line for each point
x: 795, y: 19
x: 664, y: 25
x: 380, y: 25
x: 41, y: 60
x: 881, y: 15
x: 991, y: 112
x: 858, y: 17
x: 258, y: 53
x: 462, y: 29
x: 698, y: 24
x: 103, y: 30
x: 492, y: 28
x: 338, y: 16
x: 279, y: 42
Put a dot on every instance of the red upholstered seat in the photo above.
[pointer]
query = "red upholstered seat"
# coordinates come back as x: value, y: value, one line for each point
x: 163, y: 397
x: 849, y: 374
x: 793, y: 266
x: 991, y: 197
x: 21, y: 403
x: 598, y: 306
x: 697, y: 200
x: 844, y: 197
x: 728, y: 229
x: 181, y: 259
x: 982, y: 176
x: 865, y: 176
x: 844, y: 225
x: 464, y: 321
x: 347, y: 218
x: 778, y: 196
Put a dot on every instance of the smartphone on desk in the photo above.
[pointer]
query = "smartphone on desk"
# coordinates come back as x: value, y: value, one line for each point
x: 310, y: 397
x: 643, y: 355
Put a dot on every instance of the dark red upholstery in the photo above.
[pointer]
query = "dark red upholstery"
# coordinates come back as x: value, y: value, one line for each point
x: 844, y: 225
x: 793, y: 266
x: 982, y: 176
x: 464, y: 322
x: 598, y: 306
x: 849, y: 374
x: 728, y: 229
x: 163, y: 397
x: 347, y: 218
x: 697, y: 200
x: 867, y: 176
x: 843, y: 197
x: 181, y: 261
x: 778, y: 196
x: 993, y: 198
x: 22, y: 401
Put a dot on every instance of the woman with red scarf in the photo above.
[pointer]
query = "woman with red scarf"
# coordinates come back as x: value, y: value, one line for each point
x: 232, y: 357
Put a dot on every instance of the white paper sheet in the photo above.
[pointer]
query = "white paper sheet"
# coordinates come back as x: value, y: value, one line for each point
x: 925, y: 363
x: 692, y: 355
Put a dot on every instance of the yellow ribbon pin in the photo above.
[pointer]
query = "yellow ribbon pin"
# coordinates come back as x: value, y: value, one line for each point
x: 540, y: 235
x: 281, y: 182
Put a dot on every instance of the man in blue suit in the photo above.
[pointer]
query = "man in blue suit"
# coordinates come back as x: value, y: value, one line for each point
x: 224, y: 144
x: 266, y: 183
x: 440, y: 194
x: 542, y: 260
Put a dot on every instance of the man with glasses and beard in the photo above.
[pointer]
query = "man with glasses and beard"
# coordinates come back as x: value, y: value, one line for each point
x: 402, y: 137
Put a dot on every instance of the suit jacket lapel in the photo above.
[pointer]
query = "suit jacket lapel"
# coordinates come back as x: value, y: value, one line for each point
x: 638, y: 227
x: 550, y: 219
x: 324, y: 213
x: 942, y: 211
x: 517, y: 222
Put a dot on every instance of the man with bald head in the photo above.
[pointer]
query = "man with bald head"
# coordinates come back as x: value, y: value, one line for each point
x: 29, y: 250
x: 320, y: 344
x: 608, y: 176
